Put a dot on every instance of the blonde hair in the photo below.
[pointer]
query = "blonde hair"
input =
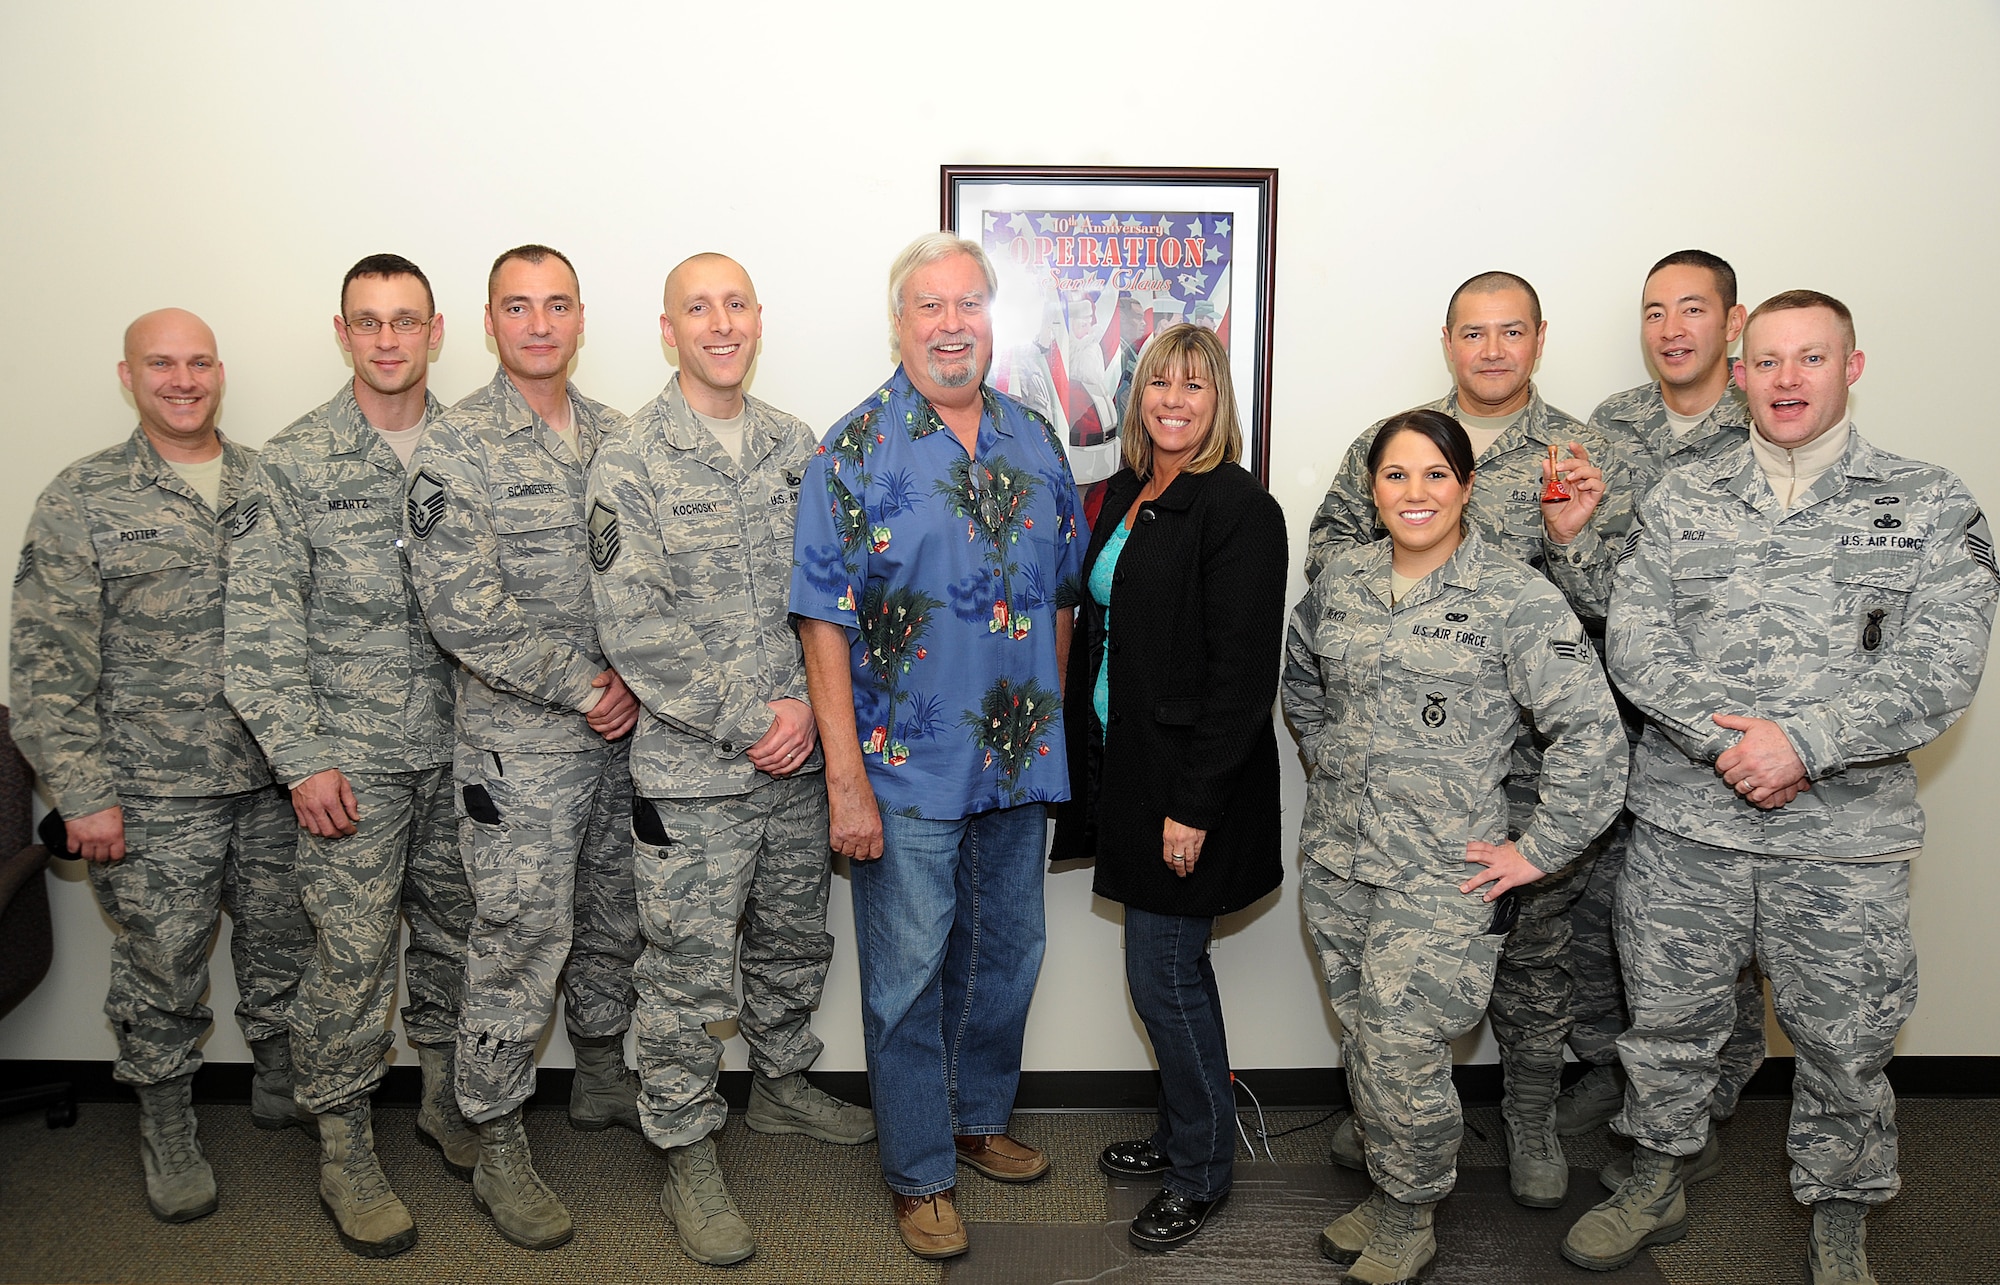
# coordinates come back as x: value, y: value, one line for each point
x: 932, y: 247
x: 1187, y: 351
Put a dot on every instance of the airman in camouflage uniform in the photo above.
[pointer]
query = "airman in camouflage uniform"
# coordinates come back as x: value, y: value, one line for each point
x: 499, y: 555
x: 1407, y: 716
x: 331, y: 666
x: 1493, y: 337
x: 1794, y: 615
x: 1688, y: 318
x: 691, y: 515
x: 117, y: 689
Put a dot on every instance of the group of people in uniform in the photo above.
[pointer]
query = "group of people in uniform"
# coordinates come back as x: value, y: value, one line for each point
x: 587, y: 699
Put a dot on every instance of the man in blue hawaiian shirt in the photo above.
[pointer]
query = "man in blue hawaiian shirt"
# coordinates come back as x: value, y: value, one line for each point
x: 937, y: 555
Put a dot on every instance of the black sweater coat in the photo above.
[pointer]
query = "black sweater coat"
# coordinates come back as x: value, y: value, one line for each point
x: 1197, y: 640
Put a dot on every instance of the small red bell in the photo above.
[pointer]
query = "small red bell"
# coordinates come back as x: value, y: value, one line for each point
x: 1555, y: 492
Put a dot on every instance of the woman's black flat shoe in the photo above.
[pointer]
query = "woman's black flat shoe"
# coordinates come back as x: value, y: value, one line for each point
x: 1135, y: 1159
x: 1170, y: 1218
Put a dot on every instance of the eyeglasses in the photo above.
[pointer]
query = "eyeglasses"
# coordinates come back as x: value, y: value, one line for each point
x: 373, y: 326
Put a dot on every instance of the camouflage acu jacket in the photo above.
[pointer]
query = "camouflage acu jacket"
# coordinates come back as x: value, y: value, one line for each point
x: 329, y: 660
x: 1408, y: 716
x: 1506, y: 504
x: 1858, y: 623
x: 693, y: 561
x: 117, y: 644
x: 499, y: 555
x: 1635, y: 423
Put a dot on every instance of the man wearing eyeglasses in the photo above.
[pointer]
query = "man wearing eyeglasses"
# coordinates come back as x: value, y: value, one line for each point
x: 331, y: 666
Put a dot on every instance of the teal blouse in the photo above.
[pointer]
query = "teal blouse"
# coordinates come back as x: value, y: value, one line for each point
x: 1100, y: 592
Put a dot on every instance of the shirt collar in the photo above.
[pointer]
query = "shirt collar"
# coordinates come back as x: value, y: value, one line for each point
x: 925, y: 420
x: 353, y: 435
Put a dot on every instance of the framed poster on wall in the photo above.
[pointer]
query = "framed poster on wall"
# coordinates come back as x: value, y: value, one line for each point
x: 1094, y: 261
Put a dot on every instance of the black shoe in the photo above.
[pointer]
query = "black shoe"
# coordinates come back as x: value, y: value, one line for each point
x: 1170, y: 1218
x: 1135, y: 1159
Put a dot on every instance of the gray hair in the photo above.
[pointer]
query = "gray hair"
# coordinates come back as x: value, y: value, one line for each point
x: 927, y: 249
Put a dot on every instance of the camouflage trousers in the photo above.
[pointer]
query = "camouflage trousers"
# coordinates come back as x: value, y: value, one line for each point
x: 402, y: 855
x: 1408, y: 970
x: 1597, y: 1005
x: 1532, y: 988
x: 753, y: 868
x: 1834, y: 940
x: 547, y: 845
x: 184, y: 860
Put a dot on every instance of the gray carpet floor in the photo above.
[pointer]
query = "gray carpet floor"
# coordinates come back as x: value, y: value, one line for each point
x: 72, y: 1209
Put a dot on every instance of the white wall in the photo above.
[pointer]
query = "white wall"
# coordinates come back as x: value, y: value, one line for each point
x: 234, y: 158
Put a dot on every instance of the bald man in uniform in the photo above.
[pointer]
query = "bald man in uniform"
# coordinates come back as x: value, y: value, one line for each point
x: 117, y: 689
x: 691, y: 516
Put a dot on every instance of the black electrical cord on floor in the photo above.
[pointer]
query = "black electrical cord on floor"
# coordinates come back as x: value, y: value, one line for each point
x: 1301, y: 1128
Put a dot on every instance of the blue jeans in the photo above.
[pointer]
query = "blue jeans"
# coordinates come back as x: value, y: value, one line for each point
x: 949, y: 932
x: 1173, y: 988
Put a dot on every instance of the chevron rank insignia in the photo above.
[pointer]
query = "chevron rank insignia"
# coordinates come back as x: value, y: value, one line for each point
x: 1566, y: 649
x: 27, y: 564
x: 1978, y: 543
x: 242, y: 518
x: 425, y: 503
x: 604, y: 537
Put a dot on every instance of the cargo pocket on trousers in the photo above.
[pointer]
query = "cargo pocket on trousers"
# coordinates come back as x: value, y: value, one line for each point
x: 646, y: 825
x: 489, y: 867
x: 1461, y: 969
x: 1888, y: 984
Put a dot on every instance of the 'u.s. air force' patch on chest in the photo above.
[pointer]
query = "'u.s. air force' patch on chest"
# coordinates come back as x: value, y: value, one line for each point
x: 242, y: 518
x: 604, y: 536
x: 27, y: 563
x: 425, y: 503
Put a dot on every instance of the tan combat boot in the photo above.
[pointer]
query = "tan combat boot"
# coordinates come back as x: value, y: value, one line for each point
x: 271, y: 1103
x: 353, y: 1189
x: 1402, y: 1245
x: 791, y: 1104
x: 180, y: 1186
x: 439, y: 1123
x: 697, y: 1202
x: 1696, y: 1168
x: 1348, y: 1149
x: 1837, y: 1248
x: 1348, y: 1234
x: 604, y: 1091
x: 507, y: 1189
x: 1591, y: 1101
x: 1537, y: 1173
x: 1650, y: 1209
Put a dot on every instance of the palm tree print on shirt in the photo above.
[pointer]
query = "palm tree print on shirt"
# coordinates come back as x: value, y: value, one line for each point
x: 993, y: 497
x: 893, y: 625
x: 1009, y: 723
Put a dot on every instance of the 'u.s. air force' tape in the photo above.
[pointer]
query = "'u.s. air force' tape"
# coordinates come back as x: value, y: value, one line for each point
x: 425, y: 503
x: 604, y: 537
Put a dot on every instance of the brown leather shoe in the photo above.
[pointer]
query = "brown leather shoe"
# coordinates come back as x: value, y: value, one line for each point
x: 1001, y: 1158
x: 930, y: 1225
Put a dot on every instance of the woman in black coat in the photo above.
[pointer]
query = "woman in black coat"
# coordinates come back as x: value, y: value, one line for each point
x: 1173, y: 759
